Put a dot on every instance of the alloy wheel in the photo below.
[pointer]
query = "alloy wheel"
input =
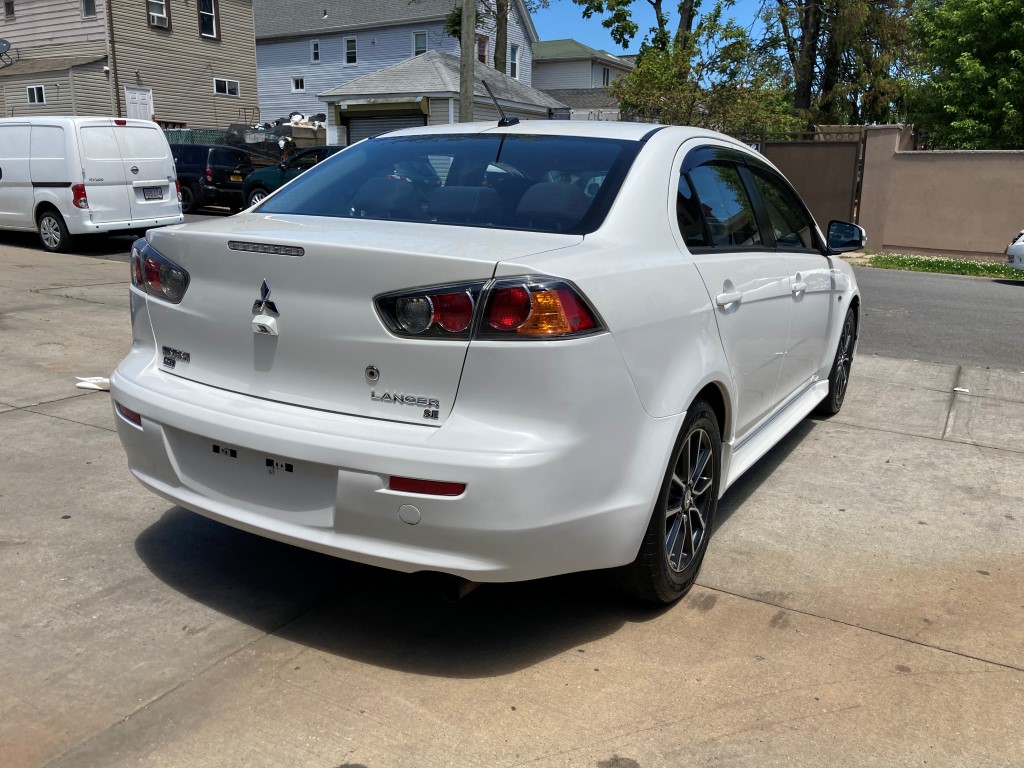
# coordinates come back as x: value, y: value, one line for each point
x: 689, y: 500
x: 49, y: 231
x: 844, y: 360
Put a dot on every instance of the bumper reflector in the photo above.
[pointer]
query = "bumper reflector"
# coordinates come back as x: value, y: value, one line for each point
x: 431, y: 487
x: 129, y: 414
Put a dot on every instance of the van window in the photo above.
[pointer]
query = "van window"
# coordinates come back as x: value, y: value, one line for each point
x: 98, y: 143
x: 139, y: 143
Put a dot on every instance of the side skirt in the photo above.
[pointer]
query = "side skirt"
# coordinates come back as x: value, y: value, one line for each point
x: 777, y: 426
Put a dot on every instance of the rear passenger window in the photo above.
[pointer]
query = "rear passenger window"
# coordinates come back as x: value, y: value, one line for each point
x: 725, y: 205
x: 141, y: 143
x: 224, y: 158
x: 793, y: 227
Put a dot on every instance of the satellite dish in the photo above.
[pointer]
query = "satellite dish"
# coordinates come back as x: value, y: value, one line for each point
x: 5, y: 58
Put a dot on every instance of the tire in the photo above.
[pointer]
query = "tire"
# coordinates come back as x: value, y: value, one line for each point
x: 839, y: 376
x: 677, y: 535
x: 188, y: 200
x: 256, y: 195
x: 53, y: 232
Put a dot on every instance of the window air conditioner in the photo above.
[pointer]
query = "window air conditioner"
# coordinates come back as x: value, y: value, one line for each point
x: 158, y: 20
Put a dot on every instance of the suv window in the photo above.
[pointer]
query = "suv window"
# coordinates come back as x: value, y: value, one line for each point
x: 725, y: 205
x: 794, y: 229
x: 186, y: 154
x: 226, y: 158
x: 537, y: 183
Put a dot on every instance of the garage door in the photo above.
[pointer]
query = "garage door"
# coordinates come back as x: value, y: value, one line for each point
x: 360, y: 128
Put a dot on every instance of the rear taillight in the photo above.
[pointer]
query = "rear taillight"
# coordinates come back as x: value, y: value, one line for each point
x: 177, y: 187
x: 78, y: 197
x: 518, y: 308
x: 157, y: 275
x: 209, y: 175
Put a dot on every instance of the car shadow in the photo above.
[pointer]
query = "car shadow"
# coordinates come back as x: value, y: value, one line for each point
x: 376, y: 616
x: 740, y: 491
x: 1007, y: 281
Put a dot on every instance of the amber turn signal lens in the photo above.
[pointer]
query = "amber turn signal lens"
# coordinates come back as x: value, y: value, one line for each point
x: 556, y: 313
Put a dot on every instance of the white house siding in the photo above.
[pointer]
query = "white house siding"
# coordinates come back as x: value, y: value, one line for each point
x: 439, y: 112
x: 56, y: 89
x: 53, y: 22
x: 180, y: 65
x: 516, y: 36
x: 562, y: 74
x: 91, y: 88
x: 279, y: 61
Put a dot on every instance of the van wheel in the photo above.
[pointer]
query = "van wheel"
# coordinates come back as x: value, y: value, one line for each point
x: 188, y: 200
x: 53, y: 232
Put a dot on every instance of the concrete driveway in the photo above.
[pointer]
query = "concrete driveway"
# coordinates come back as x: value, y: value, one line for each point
x: 861, y: 603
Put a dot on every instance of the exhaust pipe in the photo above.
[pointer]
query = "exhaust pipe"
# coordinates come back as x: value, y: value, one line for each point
x: 454, y: 589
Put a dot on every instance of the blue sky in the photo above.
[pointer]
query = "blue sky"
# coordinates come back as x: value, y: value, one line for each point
x: 565, y: 19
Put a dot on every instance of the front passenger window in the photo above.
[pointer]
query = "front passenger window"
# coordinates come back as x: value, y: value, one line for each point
x: 793, y: 228
x: 725, y: 205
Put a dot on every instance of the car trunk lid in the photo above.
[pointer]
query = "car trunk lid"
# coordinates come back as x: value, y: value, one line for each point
x: 328, y: 332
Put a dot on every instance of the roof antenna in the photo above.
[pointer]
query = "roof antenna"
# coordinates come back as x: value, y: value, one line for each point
x: 505, y: 122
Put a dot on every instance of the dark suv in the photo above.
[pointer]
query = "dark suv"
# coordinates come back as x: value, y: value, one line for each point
x: 211, y: 174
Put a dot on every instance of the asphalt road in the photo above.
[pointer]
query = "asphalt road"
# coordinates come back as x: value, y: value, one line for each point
x: 942, y: 318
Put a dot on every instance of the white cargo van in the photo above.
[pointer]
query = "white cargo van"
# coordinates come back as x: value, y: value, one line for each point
x: 67, y: 176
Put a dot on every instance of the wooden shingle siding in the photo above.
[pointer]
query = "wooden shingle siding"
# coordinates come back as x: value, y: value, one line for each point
x: 91, y: 87
x: 53, y: 22
x: 180, y: 65
x: 279, y: 61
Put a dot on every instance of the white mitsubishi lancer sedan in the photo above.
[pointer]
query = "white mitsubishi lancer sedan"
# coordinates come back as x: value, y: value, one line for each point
x: 495, y: 352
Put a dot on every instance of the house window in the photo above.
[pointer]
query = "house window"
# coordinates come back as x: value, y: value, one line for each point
x: 88, y: 9
x: 606, y: 76
x: 36, y: 94
x: 8, y: 9
x: 419, y: 43
x: 223, y: 87
x: 298, y: 85
x: 159, y: 13
x: 350, y: 50
x: 513, y: 62
x: 314, y: 51
x: 209, y: 19
x: 481, y: 48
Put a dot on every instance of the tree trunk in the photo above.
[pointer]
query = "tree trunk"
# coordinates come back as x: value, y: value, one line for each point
x: 807, y: 57
x: 468, y: 59
x: 501, y: 36
x: 686, y: 15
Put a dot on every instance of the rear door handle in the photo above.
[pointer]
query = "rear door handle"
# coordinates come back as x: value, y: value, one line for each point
x: 799, y: 287
x: 730, y: 297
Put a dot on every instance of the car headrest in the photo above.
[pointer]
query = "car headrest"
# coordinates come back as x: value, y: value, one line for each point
x: 383, y: 197
x: 459, y: 205
x: 559, y: 206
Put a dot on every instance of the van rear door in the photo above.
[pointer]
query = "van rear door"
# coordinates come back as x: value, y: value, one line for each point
x: 106, y: 184
x: 149, y: 169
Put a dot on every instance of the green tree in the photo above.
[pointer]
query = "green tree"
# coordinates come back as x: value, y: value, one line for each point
x: 973, y: 97
x: 848, y: 59
x: 714, y: 76
x: 623, y: 28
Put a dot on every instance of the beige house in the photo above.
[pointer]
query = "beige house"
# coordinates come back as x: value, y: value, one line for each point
x: 181, y: 62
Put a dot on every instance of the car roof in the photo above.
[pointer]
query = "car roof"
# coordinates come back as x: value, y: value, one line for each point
x: 580, y: 128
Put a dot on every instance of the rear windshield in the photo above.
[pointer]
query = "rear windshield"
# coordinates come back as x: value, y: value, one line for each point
x: 538, y: 183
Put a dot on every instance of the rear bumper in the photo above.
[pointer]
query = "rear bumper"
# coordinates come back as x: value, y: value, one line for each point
x: 83, y: 226
x: 209, y: 195
x: 542, y: 496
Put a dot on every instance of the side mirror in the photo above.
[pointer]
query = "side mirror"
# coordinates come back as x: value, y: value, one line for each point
x: 844, y: 237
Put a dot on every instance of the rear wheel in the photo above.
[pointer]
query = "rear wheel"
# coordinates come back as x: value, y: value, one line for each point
x: 53, y: 232
x: 188, y: 200
x: 839, y: 376
x: 256, y: 195
x: 677, y: 536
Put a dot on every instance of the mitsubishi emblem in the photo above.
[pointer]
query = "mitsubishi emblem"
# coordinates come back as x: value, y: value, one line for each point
x: 263, y: 303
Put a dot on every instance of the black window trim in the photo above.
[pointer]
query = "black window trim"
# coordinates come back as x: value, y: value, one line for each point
x: 711, y: 154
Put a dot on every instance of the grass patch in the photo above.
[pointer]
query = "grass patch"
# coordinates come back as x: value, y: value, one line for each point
x: 944, y: 265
